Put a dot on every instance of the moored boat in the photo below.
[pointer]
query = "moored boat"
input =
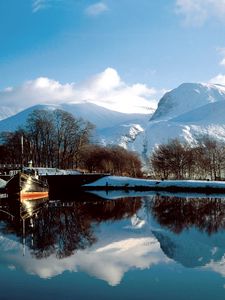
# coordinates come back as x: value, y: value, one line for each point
x: 26, y: 187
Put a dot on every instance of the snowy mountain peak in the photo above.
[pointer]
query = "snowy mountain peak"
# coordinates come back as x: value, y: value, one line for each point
x: 187, y: 97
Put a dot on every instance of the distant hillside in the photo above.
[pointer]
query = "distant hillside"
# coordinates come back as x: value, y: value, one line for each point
x: 99, y: 116
x: 111, y: 127
x: 186, y: 112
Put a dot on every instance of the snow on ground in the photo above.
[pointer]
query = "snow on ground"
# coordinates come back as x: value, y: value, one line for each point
x: 127, y: 182
x: 2, y: 183
x: 49, y: 171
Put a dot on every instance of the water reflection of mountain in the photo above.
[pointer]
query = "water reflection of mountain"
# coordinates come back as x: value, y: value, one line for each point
x: 102, y: 238
x: 107, y: 238
x: 190, y: 231
x: 62, y: 227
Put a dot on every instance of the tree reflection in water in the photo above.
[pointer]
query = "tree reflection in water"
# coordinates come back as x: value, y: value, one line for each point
x: 64, y: 227
x: 60, y: 227
x: 177, y: 214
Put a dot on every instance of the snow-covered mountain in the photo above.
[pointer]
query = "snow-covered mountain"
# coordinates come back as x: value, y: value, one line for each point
x: 186, y: 112
x: 112, y: 127
x: 95, y: 114
x: 187, y: 97
x: 192, y: 248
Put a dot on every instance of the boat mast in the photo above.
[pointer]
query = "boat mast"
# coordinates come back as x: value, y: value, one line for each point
x: 21, y: 152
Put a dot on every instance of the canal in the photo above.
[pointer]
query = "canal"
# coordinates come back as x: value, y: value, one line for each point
x: 112, y: 245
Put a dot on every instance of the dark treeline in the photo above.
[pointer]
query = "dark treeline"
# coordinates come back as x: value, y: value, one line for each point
x: 57, y: 139
x: 177, y: 160
x: 115, y: 160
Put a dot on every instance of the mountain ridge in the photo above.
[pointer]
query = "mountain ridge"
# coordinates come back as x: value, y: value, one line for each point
x: 186, y: 97
x: 186, y: 112
x: 87, y: 111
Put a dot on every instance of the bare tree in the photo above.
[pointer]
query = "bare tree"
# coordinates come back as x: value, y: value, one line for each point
x: 51, y: 138
x: 65, y: 137
x: 211, y: 155
x: 180, y: 160
x: 173, y: 160
x: 40, y: 131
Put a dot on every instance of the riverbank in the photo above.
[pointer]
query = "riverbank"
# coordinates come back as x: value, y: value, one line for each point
x: 127, y: 183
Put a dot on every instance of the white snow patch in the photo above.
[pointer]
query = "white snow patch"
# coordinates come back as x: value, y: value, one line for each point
x: 119, y: 181
x: 2, y: 183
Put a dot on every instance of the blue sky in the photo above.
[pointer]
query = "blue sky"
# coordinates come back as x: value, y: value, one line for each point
x: 156, y: 43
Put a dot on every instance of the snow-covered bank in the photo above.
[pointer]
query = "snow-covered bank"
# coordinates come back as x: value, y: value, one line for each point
x: 119, y: 182
x: 2, y: 183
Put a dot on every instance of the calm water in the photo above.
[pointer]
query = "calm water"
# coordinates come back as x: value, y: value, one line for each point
x: 144, y: 246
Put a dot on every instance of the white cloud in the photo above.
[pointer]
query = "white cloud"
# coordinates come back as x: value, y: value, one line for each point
x: 108, y: 259
x: 219, y: 79
x: 38, y: 5
x: 96, y: 9
x: 8, y: 89
x: 217, y: 266
x: 105, y: 89
x: 196, y: 12
x: 221, y: 51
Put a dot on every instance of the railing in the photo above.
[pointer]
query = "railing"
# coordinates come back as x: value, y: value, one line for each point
x: 10, y: 165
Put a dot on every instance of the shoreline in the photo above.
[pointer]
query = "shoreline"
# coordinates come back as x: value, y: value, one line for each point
x: 110, y: 183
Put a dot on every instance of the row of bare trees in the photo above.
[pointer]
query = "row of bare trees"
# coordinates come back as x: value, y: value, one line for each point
x: 57, y: 139
x: 49, y: 138
x: 177, y: 160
